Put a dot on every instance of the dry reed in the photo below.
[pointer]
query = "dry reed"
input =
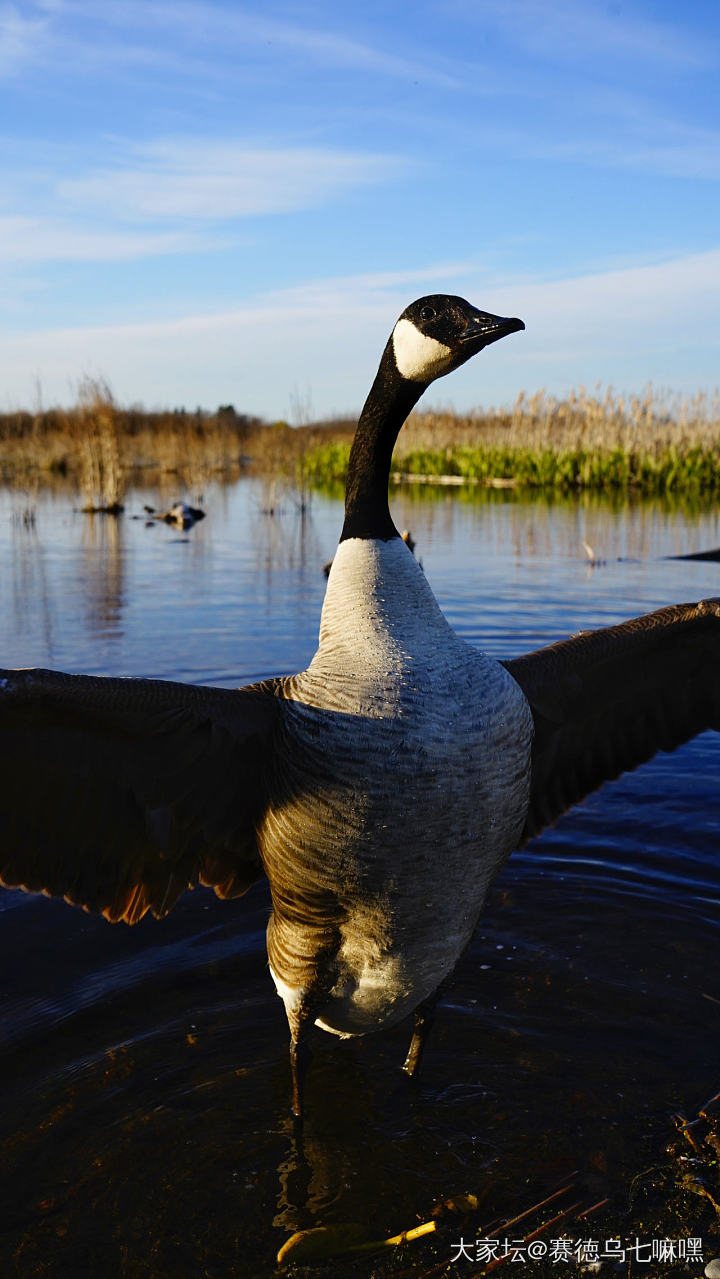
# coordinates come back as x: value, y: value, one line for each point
x: 102, y: 445
x: 650, y: 442
x: 95, y: 428
x: 595, y: 422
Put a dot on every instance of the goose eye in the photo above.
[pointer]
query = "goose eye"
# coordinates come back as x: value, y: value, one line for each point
x: 428, y: 313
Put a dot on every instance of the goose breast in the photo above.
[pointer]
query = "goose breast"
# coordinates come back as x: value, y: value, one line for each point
x: 399, y: 793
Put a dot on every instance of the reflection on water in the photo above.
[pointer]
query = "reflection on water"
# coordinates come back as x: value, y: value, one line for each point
x: 102, y: 568
x: 144, y: 1071
x: 26, y: 566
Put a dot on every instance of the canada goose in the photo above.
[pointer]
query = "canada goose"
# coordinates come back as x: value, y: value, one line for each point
x: 381, y: 789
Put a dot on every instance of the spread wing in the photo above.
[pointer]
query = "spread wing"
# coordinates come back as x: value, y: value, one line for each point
x: 118, y: 794
x: 606, y: 701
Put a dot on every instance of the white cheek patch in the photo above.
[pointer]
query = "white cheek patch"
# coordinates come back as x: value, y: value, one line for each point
x: 418, y: 357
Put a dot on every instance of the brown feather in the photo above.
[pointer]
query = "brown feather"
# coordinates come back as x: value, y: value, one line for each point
x: 605, y: 701
x: 119, y: 794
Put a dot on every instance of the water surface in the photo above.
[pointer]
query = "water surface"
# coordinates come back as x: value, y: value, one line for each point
x: 144, y: 1128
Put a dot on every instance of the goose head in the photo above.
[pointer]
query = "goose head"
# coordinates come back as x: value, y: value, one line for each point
x: 438, y: 333
x: 433, y: 336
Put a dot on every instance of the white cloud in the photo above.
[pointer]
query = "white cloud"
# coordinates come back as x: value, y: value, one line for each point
x: 633, y: 136
x: 628, y: 325
x: 668, y: 299
x: 567, y: 29
x: 235, y: 31
x: 164, y: 196
x: 36, y: 240
x: 624, y: 327
x: 20, y: 39
x: 216, y: 181
x: 327, y: 332
x: 648, y: 145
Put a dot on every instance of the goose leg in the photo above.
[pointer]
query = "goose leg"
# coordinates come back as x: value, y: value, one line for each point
x: 300, y: 1058
x: 424, y: 1018
x: 315, y: 977
x: 300, y: 1026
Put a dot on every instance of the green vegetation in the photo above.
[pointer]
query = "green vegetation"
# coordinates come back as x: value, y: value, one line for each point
x: 578, y: 468
x: 645, y: 445
x: 648, y: 444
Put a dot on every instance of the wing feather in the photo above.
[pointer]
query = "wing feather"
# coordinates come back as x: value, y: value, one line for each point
x: 118, y: 794
x: 605, y: 701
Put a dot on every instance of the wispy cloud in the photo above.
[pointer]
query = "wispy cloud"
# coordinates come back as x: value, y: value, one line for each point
x: 688, y: 153
x: 632, y: 131
x: 165, y: 196
x: 240, y: 32
x: 568, y: 29
x: 219, y: 181
x: 21, y: 39
x: 630, y: 323
x: 328, y: 332
x: 144, y: 129
x: 616, y: 316
x: 637, y: 137
x: 35, y: 240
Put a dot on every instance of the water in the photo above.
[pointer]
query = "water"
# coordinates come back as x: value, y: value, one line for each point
x: 144, y: 1129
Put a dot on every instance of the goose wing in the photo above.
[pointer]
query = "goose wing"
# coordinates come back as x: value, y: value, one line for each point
x: 605, y: 701
x: 117, y: 794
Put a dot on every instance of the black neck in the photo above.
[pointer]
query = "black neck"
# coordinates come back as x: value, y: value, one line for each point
x: 387, y: 406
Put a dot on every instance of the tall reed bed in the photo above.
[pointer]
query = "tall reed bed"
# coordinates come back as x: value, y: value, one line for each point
x: 649, y: 443
x: 101, y: 445
x: 94, y: 424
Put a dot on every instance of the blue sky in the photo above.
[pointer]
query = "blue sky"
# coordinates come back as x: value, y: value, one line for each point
x: 217, y: 202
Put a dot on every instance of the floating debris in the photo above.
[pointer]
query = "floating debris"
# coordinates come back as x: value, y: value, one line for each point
x: 324, y: 1242
x: 331, y: 1241
x: 180, y: 514
x: 593, y: 560
x: 113, y: 508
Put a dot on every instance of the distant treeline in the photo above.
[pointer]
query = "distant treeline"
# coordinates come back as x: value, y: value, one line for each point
x: 102, y: 446
x: 650, y: 443
x: 53, y: 439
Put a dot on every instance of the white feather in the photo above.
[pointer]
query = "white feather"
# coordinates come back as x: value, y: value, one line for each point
x: 425, y: 745
x: 419, y: 358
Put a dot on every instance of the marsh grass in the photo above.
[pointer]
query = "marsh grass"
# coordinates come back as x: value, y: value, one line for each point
x: 95, y: 426
x: 648, y: 443
x: 102, y: 446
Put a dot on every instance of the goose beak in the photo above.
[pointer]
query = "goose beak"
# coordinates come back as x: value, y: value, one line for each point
x: 483, y: 328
